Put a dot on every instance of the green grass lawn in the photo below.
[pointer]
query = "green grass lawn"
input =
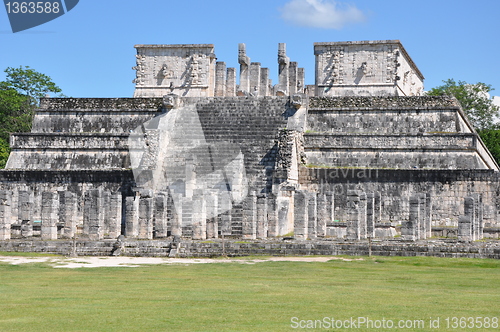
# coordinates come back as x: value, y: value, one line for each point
x: 247, y: 297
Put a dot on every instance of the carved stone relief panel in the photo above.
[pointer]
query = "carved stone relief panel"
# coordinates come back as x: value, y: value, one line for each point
x: 173, y: 66
x: 140, y: 69
x: 331, y: 64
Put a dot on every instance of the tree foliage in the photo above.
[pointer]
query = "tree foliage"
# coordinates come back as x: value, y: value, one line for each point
x: 31, y: 83
x: 474, y: 99
x: 479, y: 108
x: 491, y: 138
x: 20, y: 94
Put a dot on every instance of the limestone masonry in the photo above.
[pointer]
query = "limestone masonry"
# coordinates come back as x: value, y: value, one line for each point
x: 199, y: 154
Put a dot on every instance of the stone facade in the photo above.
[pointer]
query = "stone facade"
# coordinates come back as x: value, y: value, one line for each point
x: 196, y: 156
x: 185, y: 69
x: 375, y: 68
x: 192, y: 71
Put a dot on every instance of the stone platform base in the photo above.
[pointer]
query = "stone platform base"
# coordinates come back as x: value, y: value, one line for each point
x: 233, y: 248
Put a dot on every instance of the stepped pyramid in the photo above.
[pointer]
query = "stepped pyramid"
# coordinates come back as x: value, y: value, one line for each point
x: 361, y: 153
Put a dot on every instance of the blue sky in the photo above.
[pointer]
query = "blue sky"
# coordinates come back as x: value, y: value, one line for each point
x: 89, y: 51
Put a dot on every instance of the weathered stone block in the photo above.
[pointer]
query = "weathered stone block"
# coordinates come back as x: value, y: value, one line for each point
x: 177, y: 221
x: 322, y: 214
x: 330, y: 207
x: 93, y: 217
x: 478, y: 223
x: 220, y: 78
x: 467, y: 222
x: 161, y: 215
x: 67, y: 213
x: 370, y: 215
x: 272, y: 215
x: 410, y: 229
x: 225, y: 208
x: 25, y: 206
x: 249, y: 223
x: 113, y: 221
x: 212, y: 208
x: 353, y: 215
x: 362, y: 216
x: 26, y: 229
x: 187, y: 216
x: 199, y: 216
x: 49, y: 215
x: 145, y: 220
x: 285, y: 213
x: 428, y: 215
x: 465, y: 232
x: 301, y: 206
x: 262, y: 221
x: 422, y: 217
x: 255, y: 78
x: 312, y: 216
x: 231, y: 82
x: 132, y: 216
x: 5, y: 215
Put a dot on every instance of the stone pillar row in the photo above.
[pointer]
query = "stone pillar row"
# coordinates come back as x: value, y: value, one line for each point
x: 470, y: 225
x: 254, y: 80
x: 148, y: 215
x: 56, y: 214
x: 419, y: 224
x: 363, y: 211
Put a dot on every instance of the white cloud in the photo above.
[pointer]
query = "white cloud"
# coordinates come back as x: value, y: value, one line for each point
x: 496, y: 100
x: 327, y: 14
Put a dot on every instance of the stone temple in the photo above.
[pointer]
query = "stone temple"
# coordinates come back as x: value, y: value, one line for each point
x: 198, y: 154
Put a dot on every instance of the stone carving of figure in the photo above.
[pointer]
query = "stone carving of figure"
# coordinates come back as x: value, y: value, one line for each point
x: 166, y: 72
x: 195, y: 80
x: 139, y: 68
x: 282, y: 58
x: 364, y: 68
x: 297, y: 101
x: 243, y: 59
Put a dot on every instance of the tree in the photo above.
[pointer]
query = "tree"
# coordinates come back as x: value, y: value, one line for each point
x: 20, y: 94
x: 31, y: 83
x: 491, y: 138
x: 475, y: 101
x: 479, y: 108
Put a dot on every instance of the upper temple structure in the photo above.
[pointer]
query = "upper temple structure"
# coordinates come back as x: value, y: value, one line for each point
x: 374, y: 68
x: 204, y: 151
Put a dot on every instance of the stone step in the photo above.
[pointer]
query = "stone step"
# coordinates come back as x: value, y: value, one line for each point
x: 92, y: 159
x: 400, y: 159
x: 73, y: 141
x: 409, y: 121
x: 437, y: 141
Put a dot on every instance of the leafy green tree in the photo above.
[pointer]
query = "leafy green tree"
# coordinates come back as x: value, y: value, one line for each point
x: 474, y: 99
x: 20, y: 95
x: 31, y: 83
x: 491, y: 139
x: 479, y: 108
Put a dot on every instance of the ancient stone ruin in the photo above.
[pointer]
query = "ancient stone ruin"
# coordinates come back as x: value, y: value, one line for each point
x: 197, y: 154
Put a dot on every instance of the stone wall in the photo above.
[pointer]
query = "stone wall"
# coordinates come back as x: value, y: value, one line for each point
x: 448, y: 190
x: 193, y: 249
x: 105, y: 200
x: 188, y: 69
x: 392, y: 132
x: 367, y: 68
